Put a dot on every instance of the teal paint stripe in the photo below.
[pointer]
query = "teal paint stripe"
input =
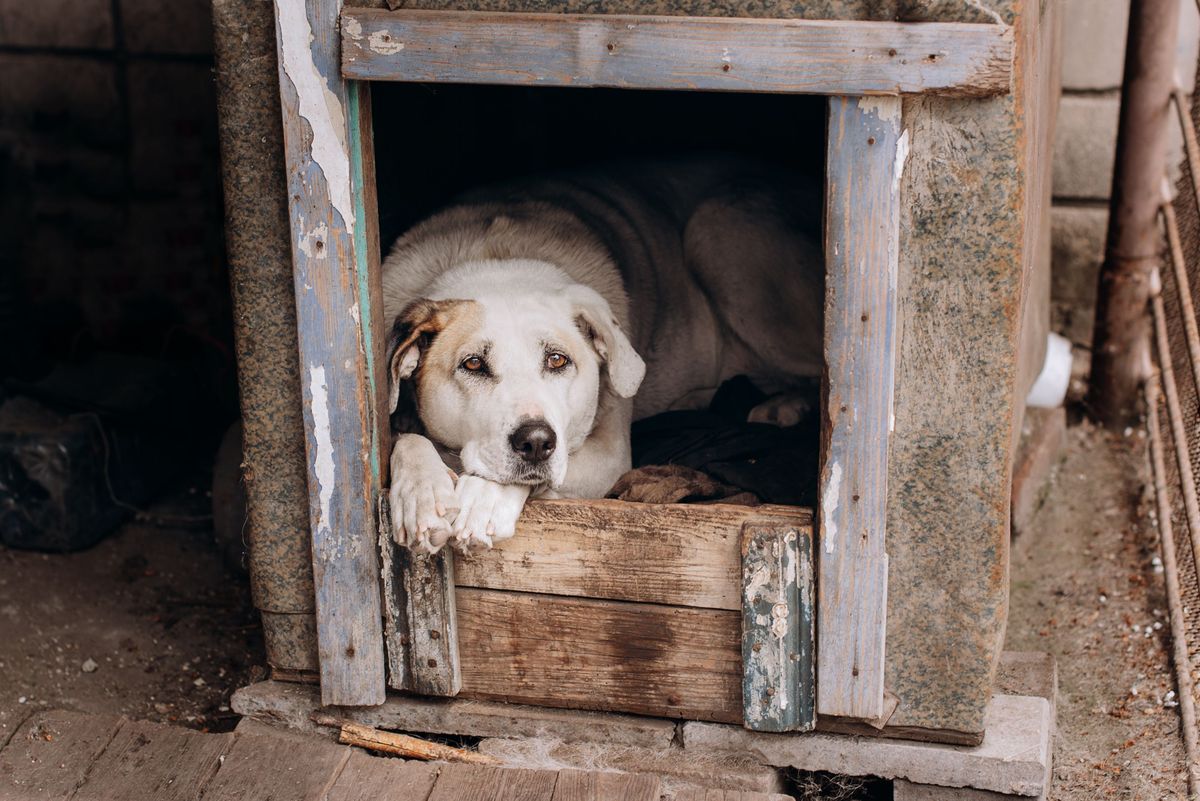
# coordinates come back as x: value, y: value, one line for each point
x: 361, y: 262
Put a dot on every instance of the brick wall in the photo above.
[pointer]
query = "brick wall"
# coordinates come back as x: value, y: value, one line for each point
x: 1093, y: 63
x: 108, y: 138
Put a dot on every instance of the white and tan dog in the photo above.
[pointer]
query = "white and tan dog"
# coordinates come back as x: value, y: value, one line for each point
x: 520, y: 314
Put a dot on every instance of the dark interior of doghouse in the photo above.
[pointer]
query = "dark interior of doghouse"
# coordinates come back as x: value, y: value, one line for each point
x: 434, y: 142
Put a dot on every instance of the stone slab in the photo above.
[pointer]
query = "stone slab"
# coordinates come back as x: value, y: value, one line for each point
x: 291, y: 706
x: 676, y: 766
x: 907, y: 791
x: 1014, y: 757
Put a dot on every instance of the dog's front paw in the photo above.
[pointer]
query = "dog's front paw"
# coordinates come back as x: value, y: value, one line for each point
x: 487, y: 511
x: 422, y: 497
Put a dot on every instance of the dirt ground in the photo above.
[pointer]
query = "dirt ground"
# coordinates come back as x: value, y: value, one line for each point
x: 1088, y: 588
x: 150, y: 623
x: 153, y: 625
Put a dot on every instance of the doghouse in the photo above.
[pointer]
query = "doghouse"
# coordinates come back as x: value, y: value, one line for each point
x: 939, y: 117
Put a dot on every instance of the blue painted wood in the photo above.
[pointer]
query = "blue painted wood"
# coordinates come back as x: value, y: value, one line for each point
x: 866, y: 155
x: 778, y: 629
x: 332, y: 213
x: 666, y: 52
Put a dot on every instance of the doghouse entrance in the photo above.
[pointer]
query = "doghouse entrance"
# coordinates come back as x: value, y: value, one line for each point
x: 607, y: 605
x: 431, y: 648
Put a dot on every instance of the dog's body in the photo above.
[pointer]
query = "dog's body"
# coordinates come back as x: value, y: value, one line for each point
x: 520, y: 313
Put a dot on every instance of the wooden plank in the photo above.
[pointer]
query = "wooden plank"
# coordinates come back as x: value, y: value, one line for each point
x: 578, y: 785
x: 678, y: 554
x: 778, y: 692
x: 269, y: 768
x: 702, y: 794
x: 368, y: 778
x: 866, y: 154
x: 153, y: 762
x: 647, y: 659
x: 50, y: 756
x: 331, y: 222
x: 471, y: 783
x: 691, y: 53
x: 419, y: 620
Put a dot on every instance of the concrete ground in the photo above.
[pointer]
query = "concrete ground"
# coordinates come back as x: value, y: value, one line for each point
x: 151, y: 624
x: 1086, y: 587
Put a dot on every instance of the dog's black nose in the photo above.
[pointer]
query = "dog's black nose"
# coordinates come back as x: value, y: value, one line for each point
x: 533, y: 441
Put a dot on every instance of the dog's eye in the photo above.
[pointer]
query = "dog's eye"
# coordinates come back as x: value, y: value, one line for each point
x: 556, y: 361
x: 472, y: 364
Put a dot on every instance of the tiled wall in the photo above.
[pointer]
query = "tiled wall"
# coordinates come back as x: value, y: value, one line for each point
x: 1093, y: 62
x: 109, y: 150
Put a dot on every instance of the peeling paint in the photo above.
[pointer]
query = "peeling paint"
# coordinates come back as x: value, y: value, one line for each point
x: 381, y: 42
x: 314, y: 243
x: 354, y: 314
x: 725, y: 55
x: 901, y: 159
x: 324, y: 470
x: 885, y: 108
x: 318, y: 105
x: 829, y: 505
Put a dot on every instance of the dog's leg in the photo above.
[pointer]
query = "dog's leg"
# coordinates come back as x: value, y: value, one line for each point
x: 422, y: 494
x: 487, y: 511
x: 783, y: 410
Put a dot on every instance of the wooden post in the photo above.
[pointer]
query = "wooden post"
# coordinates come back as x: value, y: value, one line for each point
x: 1121, y: 342
x: 331, y: 205
x: 866, y: 154
x: 778, y: 691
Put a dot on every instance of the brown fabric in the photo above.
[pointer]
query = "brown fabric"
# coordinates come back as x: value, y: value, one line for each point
x: 671, y: 483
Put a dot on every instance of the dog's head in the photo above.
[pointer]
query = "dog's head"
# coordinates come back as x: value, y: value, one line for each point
x: 511, y: 381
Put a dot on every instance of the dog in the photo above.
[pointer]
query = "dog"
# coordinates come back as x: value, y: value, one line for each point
x: 534, y: 321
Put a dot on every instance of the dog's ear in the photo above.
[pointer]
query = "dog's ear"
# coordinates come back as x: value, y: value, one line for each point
x: 595, y: 319
x: 412, y: 331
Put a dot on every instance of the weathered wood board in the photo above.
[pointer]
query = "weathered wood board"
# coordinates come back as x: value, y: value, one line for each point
x: 267, y: 768
x: 31, y: 766
x: 472, y: 783
x: 368, y: 778
x: 418, y: 616
x: 331, y: 210
x: 153, y: 762
x: 692, y: 53
x: 678, y: 554
x: 607, y: 655
x: 778, y: 628
x: 865, y: 159
x: 577, y: 785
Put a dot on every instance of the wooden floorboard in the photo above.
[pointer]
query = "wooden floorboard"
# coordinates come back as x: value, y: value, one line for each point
x: 153, y: 762
x: 50, y: 756
x: 701, y: 794
x: 264, y: 768
x: 578, y: 785
x: 471, y: 783
x: 368, y: 778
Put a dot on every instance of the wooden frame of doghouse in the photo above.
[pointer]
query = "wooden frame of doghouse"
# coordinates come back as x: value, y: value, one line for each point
x: 666, y: 582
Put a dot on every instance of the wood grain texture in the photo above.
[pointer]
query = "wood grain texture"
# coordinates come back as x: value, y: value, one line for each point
x: 327, y: 149
x: 271, y: 768
x: 34, y: 763
x: 677, y: 554
x: 419, y: 618
x: 578, y: 785
x: 604, y: 655
x: 153, y: 762
x: 866, y: 154
x: 471, y: 783
x: 368, y: 778
x: 691, y: 53
x: 709, y: 794
x: 778, y: 631
x: 428, y: 583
